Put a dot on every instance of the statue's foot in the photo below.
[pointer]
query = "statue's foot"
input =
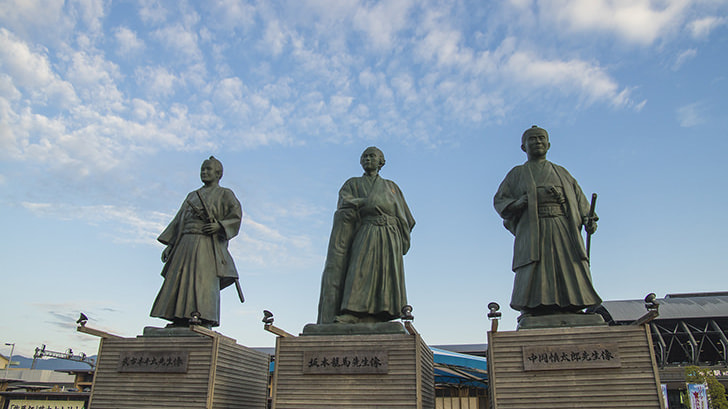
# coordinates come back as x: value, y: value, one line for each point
x: 347, y: 319
x: 370, y: 319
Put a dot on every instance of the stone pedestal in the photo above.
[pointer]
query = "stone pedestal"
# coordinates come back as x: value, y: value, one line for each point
x: 179, y: 369
x: 353, y: 371
x: 560, y: 320
x: 584, y: 367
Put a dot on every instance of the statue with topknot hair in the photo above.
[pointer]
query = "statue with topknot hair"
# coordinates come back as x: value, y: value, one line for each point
x: 197, y: 263
x: 545, y: 209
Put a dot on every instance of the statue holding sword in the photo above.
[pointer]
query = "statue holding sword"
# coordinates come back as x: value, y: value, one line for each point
x: 544, y: 207
x: 197, y: 263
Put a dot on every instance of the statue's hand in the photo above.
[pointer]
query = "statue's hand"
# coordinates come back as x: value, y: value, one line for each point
x: 165, y: 253
x: 211, y: 228
x: 590, y: 225
x: 520, y: 204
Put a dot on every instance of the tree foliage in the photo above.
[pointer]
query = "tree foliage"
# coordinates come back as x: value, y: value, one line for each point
x: 716, y: 391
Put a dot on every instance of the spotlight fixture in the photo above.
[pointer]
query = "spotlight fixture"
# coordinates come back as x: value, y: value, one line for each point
x: 407, y: 313
x: 650, y: 302
x: 195, y: 320
x: 82, y: 320
x: 494, y: 313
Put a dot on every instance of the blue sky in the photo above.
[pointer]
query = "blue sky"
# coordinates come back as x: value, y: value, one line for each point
x: 107, y: 109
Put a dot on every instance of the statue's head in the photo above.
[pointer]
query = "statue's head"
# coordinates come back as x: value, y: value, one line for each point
x: 372, y: 152
x: 213, y: 164
x: 535, y: 142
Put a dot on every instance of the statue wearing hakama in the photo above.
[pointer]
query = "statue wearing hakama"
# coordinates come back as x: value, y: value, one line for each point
x: 545, y: 209
x: 363, y: 279
x: 197, y: 261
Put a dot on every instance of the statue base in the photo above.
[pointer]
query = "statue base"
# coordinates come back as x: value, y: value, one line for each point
x: 560, y: 320
x: 168, y: 332
x: 353, y: 371
x: 181, y: 368
x: 391, y: 327
x: 585, y: 367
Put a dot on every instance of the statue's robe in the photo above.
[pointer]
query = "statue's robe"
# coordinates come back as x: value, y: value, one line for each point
x: 364, y: 271
x: 199, y: 265
x: 549, y: 257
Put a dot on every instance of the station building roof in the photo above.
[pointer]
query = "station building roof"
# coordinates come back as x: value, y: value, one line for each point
x: 673, y: 306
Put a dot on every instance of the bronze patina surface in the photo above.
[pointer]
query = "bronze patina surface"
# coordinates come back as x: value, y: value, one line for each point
x: 545, y: 209
x: 363, y: 279
x: 197, y: 263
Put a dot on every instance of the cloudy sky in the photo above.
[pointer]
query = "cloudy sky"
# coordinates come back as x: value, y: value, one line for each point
x: 107, y: 109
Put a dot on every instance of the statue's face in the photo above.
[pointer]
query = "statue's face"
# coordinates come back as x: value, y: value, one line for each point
x: 536, y: 144
x: 371, y: 159
x: 209, y: 172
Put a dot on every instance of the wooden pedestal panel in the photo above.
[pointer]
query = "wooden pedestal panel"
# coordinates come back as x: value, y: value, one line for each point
x: 353, y: 371
x: 200, y: 372
x: 584, y: 367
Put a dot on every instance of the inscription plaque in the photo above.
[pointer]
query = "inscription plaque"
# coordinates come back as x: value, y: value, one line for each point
x: 583, y: 356
x: 153, y: 361
x: 345, y: 362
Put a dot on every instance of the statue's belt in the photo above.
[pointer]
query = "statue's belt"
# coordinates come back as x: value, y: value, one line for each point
x: 550, y: 210
x: 380, y: 220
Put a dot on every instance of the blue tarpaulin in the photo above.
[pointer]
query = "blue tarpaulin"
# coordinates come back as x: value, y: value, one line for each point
x: 454, y: 368
x: 460, y: 369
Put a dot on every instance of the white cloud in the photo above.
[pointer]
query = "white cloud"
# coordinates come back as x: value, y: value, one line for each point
x: 443, y: 46
x: 684, y: 57
x: 7, y: 88
x: 130, y: 225
x: 404, y: 87
x: 274, y: 38
x: 91, y: 13
x: 588, y: 81
x: 691, y: 115
x: 94, y: 79
x: 367, y: 78
x: 441, y: 42
x: 231, y: 14
x: 702, y: 27
x: 340, y: 104
x: 382, y: 21
x: 128, y: 42
x: 32, y: 71
x: 157, y: 81
x: 46, y: 17
x: 263, y: 245
x: 183, y: 40
x: 636, y: 21
x: 48, y: 141
x: 151, y: 11
x: 228, y: 96
x: 142, y: 110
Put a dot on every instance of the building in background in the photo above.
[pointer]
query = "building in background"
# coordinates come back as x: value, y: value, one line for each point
x: 690, y: 330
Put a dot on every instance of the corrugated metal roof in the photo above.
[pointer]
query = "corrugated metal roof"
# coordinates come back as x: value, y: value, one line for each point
x: 673, y: 307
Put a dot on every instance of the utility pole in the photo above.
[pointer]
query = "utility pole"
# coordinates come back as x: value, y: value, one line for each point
x: 10, y: 360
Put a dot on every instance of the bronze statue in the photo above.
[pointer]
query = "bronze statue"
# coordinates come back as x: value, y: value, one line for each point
x: 197, y: 263
x: 544, y: 207
x: 363, y: 279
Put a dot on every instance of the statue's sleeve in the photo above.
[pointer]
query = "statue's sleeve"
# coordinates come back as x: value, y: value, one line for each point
x: 505, y: 196
x: 347, y: 194
x: 337, y: 256
x: 582, y: 200
x: 170, y: 234
x: 406, y: 220
x: 233, y: 214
